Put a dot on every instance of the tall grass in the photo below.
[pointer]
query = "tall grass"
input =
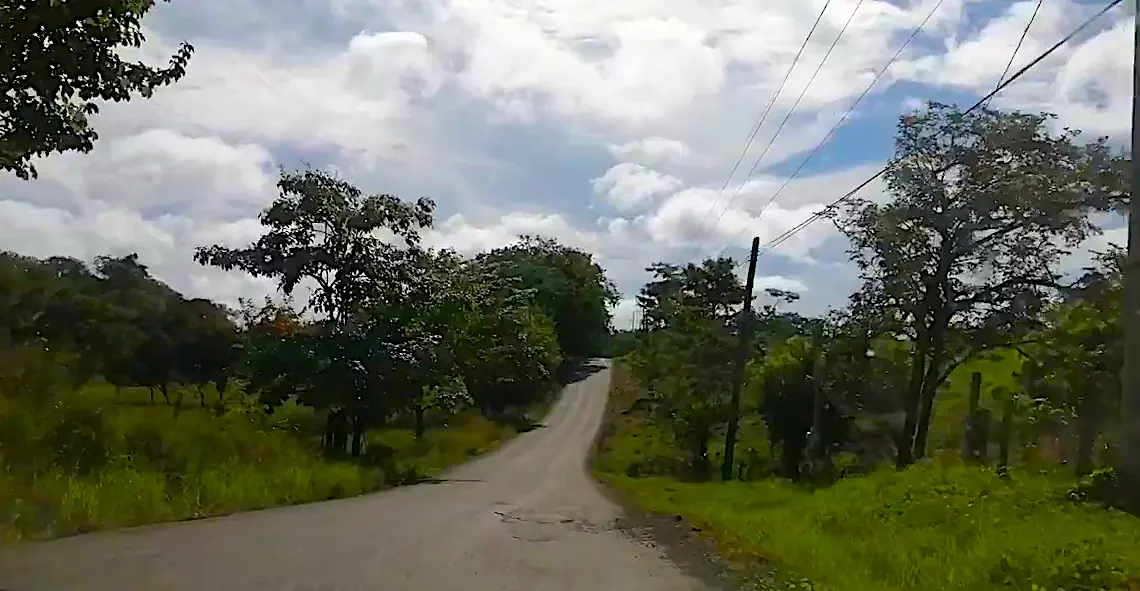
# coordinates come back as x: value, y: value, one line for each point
x: 78, y: 460
x: 928, y: 527
x: 79, y: 465
x: 937, y: 525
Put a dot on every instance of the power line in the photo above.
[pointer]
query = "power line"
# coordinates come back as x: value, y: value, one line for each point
x: 850, y: 110
x: 1020, y: 41
x: 768, y: 109
x: 787, y: 116
x: 815, y: 217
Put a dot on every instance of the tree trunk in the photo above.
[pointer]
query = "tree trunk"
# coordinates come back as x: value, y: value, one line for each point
x: 357, y: 436
x: 1005, y: 438
x: 335, y: 432
x: 905, y: 441
x: 151, y: 388
x: 165, y: 389
x: 971, y: 443
x: 930, y: 382
x: 419, y: 418
x: 702, y: 468
x: 1086, y: 436
x: 791, y: 453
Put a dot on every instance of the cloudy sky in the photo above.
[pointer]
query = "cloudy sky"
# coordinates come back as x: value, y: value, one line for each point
x: 611, y: 126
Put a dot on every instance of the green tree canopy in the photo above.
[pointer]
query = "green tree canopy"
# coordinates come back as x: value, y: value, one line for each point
x: 57, y: 58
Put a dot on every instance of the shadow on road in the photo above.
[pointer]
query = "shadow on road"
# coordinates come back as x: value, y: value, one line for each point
x: 439, y: 481
x: 579, y: 369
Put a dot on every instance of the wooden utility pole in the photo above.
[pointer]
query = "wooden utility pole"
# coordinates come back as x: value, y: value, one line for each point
x: 745, y: 327
x: 1128, y: 469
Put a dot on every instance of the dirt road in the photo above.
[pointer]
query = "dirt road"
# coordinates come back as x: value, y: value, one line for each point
x: 527, y: 518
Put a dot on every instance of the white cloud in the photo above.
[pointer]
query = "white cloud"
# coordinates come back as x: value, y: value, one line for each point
x: 779, y: 282
x: 629, y: 186
x: 388, y: 94
x: 625, y: 314
x: 652, y: 150
x: 1086, y: 82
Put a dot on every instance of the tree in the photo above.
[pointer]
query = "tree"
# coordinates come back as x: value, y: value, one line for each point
x: 566, y: 283
x: 438, y: 300
x: 686, y: 354
x: 692, y: 397
x: 206, y: 347
x: 1077, y: 362
x: 983, y: 206
x: 325, y: 230
x: 712, y: 286
x: 775, y: 325
x: 57, y: 57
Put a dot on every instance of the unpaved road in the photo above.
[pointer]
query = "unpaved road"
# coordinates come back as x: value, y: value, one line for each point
x: 527, y: 518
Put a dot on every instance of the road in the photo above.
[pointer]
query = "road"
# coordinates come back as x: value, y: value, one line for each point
x: 527, y: 518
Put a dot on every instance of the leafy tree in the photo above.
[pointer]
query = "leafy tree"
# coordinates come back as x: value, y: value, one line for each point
x: 622, y: 342
x: 686, y: 355
x: 507, y: 354
x: 711, y: 286
x: 983, y: 206
x: 782, y: 386
x: 692, y: 397
x: 437, y: 301
x: 775, y: 325
x: 207, y: 347
x: 1078, y: 356
x: 325, y: 230
x: 566, y: 283
x: 57, y: 57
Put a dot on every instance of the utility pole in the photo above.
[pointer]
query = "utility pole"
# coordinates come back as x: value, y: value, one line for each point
x: 1129, y: 467
x: 745, y: 327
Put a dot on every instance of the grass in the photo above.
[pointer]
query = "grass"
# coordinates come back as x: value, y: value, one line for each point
x: 81, y: 465
x: 410, y: 459
x: 92, y: 459
x: 952, y: 403
x: 936, y: 525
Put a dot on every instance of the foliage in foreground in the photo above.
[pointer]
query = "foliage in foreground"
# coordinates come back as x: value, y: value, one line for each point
x: 47, y: 92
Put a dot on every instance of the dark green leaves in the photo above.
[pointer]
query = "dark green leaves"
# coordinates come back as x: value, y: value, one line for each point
x: 56, y: 59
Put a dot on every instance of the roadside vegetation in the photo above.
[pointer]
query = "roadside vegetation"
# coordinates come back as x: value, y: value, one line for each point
x: 955, y: 426
x: 123, y: 401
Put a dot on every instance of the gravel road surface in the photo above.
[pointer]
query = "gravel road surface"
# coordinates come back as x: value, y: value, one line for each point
x: 527, y: 518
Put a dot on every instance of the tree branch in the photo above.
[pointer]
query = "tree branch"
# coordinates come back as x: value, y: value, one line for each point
x: 988, y: 294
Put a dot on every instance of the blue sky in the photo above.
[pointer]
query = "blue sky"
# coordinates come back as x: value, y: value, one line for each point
x: 610, y: 126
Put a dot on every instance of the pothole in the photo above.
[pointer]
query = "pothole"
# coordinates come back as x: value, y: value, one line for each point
x: 543, y: 527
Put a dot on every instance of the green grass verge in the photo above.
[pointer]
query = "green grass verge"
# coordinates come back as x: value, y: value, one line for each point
x: 938, y: 525
x: 93, y: 460
x: 409, y: 459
